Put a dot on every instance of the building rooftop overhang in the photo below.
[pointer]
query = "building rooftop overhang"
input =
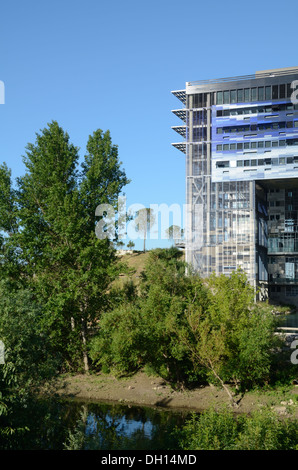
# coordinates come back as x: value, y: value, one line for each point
x: 259, y: 74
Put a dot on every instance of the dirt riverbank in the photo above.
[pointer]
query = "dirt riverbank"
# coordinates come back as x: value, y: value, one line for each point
x: 143, y: 390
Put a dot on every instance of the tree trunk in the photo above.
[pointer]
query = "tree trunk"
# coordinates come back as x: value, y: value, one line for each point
x: 84, y: 340
x: 234, y: 403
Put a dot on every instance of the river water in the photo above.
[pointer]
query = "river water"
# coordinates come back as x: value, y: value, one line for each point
x: 56, y: 424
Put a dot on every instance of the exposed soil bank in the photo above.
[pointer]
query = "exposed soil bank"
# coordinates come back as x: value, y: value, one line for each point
x: 153, y: 391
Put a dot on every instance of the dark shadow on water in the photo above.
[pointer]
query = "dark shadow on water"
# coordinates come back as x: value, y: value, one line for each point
x: 56, y: 424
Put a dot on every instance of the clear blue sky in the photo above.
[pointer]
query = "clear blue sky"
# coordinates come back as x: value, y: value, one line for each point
x: 112, y: 65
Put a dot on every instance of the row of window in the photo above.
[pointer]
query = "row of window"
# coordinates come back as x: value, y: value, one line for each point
x: 257, y: 110
x: 291, y: 291
x: 257, y: 127
x: 274, y: 217
x: 256, y: 145
x: 288, y: 207
x: 259, y: 162
x: 273, y: 260
x: 261, y: 93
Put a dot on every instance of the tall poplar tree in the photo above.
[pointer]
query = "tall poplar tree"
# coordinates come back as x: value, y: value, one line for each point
x: 68, y: 268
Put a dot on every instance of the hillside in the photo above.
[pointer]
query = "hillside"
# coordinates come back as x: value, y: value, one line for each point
x: 135, y: 260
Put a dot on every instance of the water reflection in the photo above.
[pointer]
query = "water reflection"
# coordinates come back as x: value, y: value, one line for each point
x: 122, y: 427
x: 72, y: 425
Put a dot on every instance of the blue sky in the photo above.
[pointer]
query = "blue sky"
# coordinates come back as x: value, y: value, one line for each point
x: 112, y: 65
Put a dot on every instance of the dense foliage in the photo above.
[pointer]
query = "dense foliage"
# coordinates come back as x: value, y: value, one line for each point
x: 55, y: 272
x: 188, y: 330
x: 221, y: 430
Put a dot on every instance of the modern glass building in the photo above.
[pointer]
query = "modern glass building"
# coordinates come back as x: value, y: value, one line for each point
x: 240, y: 138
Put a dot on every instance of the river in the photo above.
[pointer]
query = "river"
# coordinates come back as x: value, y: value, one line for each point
x: 56, y: 424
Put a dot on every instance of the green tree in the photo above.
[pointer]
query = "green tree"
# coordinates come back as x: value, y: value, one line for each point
x: 174, y: 232
x: 231, y: 338
x: 29, y: 359
x: 165, y: 293
x: 67, y: 267
x: 145, y: 219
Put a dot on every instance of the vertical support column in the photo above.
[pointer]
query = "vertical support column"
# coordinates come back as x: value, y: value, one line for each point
x: 253, y: 233
x: 189, y: 182
x: 207, y: 177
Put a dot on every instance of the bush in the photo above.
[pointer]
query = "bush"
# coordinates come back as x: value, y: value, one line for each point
x: 221, y: 430
x: 118, y: 345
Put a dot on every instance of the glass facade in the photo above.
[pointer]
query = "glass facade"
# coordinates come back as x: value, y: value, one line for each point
x: 241, y: 147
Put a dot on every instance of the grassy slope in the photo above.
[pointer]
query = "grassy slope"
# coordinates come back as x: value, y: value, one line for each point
x: 136, y: 262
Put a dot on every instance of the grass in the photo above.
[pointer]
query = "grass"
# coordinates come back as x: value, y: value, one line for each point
x: 136, y: 263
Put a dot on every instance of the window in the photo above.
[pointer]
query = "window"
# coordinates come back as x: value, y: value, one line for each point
x: 261, y: 93
x: 219, y: 97
x: 226, y: 146
x: 219, y: 147
x: 233, y: 147
x: 222, y: 164
x: 282, y: 143
x: 268, y: 92
x: 226, y: 97
x: 260, y: 144
x: 239, y: 146
x: 246, y: 94
x: 267, y: 144
x: 254, y: 94
x: 289, y: 90
x: 233, y: 96
x: 275, y: 92
x: 282, y: 91
x: 239, y: 96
